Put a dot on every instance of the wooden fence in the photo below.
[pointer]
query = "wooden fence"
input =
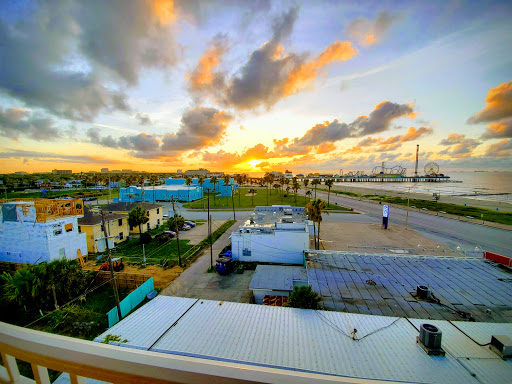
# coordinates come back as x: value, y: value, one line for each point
x: 128, y: 280
x: 11, y: 268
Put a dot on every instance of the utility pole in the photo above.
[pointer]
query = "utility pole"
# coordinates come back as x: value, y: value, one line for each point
x: 177, y: 232
x: 209, y: 228
x: 111, y: 266
x: 233, y: 201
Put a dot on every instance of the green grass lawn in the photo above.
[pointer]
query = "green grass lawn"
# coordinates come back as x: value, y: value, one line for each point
x: 242, y: 201
x: 62, y: 192
x: 156, y: 252
x: 460, y: 210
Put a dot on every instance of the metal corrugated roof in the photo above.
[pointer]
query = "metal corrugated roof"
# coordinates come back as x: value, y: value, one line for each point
x: 277, y: 277
x: 314, y: 341
x: 146, y: 325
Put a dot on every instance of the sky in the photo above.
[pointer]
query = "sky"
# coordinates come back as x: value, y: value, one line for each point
x: 254, y: 86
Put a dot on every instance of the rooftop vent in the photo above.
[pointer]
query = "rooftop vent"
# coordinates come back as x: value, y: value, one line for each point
x: 502, y: 345
x: 430, y: 339
x: 423, y: 292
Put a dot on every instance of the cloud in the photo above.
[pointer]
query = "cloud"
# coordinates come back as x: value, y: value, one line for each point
x: 501, y: 149
x: 500, y: 129
x: 300, y: 77
x: 74, y: 59
x: 143, y: 119
x: 200, y: 127
x: 55, y: 157
x: 203, y: 78
x: 459, y: 146
x: 368, y: 32
x: 499, y: 105
x: 269, y: 74
x: 16, y: 122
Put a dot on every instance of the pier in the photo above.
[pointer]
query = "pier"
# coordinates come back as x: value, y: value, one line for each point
x: 392, y: 179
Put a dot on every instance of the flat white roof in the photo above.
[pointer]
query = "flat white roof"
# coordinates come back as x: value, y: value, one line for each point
x: 314, y: 341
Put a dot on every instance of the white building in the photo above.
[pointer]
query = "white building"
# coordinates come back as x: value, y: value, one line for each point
x: 277, y: 234
x: 41, y: 230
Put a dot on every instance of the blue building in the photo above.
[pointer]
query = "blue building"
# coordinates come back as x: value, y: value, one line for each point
x: 174, y: 188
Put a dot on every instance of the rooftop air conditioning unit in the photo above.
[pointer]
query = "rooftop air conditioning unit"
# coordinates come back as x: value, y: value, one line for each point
x: 502, y: 345
x: 430, y: 339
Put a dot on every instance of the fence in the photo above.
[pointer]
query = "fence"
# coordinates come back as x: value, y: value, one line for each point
x: 124, y: 280
x: 11, y: 268
x: 498, y: 258
x: 130, y: 302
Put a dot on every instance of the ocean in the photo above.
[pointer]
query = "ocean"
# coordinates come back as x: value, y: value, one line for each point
x: 490, y: 186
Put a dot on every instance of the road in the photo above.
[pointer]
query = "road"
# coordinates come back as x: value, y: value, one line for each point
x: 453, y: 233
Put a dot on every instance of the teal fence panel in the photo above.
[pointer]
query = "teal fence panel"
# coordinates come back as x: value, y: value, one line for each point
x: 130, y: 302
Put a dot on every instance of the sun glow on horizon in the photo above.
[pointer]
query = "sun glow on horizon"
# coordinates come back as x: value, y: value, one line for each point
x: 254, y: 163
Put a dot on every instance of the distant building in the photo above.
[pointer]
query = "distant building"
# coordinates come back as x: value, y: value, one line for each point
x: 277, y: 234
x: 104, y: 170
x: 154, y: 212
x: 41, y: 230
x: 197, y: 172
x: 62, y: 172
x: 92, y: 225
x: 127, y: 171
x: 179, y: 171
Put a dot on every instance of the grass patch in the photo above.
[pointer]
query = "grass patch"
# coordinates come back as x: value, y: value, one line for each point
x: 275, y: 197
x: 78, y: 194
x: 131, y: 250
x: 454, y: 209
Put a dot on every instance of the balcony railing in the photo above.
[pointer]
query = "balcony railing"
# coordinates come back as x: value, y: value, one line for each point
x: 85, y: 359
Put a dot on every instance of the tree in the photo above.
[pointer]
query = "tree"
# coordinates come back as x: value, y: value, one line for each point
x: 188, y: 181
x: 329, y: 183
x: 314, y: 209
x: 176, y: 221
x: 303, y: 297
x: 137, y: 217
x: 252, y: 192
x: 200, y: 180
x: 239, y: 180
x: 226, y: 180
x: 296, y: 189
x: 307, y: 194
x: 214, y: 180
x: 315, y: 182
x: 153, y: 179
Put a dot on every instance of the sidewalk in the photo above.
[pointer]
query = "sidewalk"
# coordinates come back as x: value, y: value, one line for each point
x: 196, y: 282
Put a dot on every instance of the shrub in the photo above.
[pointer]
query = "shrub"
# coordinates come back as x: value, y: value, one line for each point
x: 303, y: 297
x: 145, y: 238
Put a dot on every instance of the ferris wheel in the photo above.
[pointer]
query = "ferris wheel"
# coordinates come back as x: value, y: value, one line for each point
x: 431, y: 169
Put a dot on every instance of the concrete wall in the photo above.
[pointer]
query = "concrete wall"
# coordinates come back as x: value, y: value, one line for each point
x: 25, y: 242
x: 274, y: 247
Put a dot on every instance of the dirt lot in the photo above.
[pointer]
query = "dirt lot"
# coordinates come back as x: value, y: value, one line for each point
x: 161, y: 277
x: 371, y: 238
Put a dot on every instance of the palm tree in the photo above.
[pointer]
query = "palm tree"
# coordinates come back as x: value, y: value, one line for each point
x: 214, y: 180
x: 153, y: 179
x: 315, y: 209
x: 306, y: 182
x: 239, y: 180
x: 226, y: 180
x: 252, y: 192
x: 200, y: 180
x: 315, y: 182
x: 188, y: 181
x: 137, y: 217
x: 329, y: 183
x: 295, y: 189
x: 266, y: 180
x: 308, y: 193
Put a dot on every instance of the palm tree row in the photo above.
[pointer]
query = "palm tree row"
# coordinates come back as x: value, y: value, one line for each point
x: 314, y: 210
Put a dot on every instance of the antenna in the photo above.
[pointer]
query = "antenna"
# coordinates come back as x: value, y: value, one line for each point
x: 416, y: 167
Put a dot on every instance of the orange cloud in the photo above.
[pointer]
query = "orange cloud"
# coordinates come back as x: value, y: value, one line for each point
x: 499, y: 105
x: 164, y: 10
x: 202, y: 75
x: 302, y: 76
x: 368, y: 32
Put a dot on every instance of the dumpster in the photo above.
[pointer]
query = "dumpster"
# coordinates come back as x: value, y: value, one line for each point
x: 224, y: 265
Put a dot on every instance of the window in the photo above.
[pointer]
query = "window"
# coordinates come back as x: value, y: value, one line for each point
x: 157, y: 211
x: 158, y: 221
x: 120, y: 222
x: 121, y: 236
x: 149, y: 227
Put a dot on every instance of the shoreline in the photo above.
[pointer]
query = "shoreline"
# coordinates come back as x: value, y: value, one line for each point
x: 458, y: 200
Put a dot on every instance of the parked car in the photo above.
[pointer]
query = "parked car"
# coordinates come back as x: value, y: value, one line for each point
x: 170, y: 233
x: 186, y: 228
x: 190, y: 223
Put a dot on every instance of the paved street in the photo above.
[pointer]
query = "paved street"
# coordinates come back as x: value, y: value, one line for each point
x: 452, y: 233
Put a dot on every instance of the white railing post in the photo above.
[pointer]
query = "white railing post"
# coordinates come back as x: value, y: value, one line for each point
x: 40, y: 374
x: 11, y: 366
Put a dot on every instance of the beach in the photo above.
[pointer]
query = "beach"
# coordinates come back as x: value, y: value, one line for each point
x: 450, y: 199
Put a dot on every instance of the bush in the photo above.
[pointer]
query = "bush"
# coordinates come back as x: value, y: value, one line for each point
x: 163, y: 238
x: 145, y: 238
x: 303, y: 297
